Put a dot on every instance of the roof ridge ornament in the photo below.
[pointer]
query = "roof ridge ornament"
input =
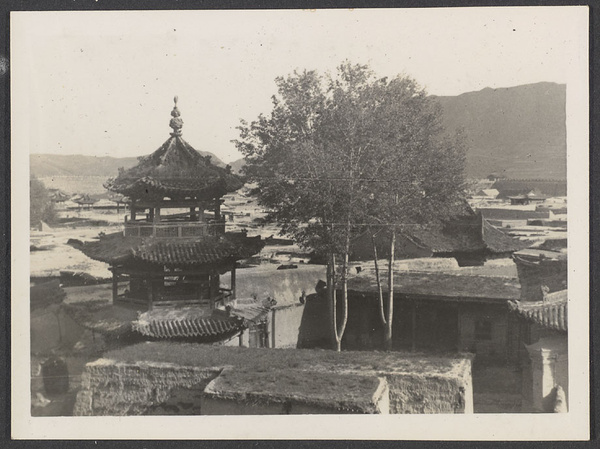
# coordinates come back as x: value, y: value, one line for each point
x: 176, y: 122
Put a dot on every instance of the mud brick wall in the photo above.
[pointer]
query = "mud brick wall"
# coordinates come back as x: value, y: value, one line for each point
x: 117, y: 389
x: 214, y: 405
x: 423, y: 394
x: 285, y: 325
x: 114, y: 388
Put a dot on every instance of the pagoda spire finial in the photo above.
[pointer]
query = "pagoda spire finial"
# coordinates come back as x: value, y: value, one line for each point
x: 176, y: 122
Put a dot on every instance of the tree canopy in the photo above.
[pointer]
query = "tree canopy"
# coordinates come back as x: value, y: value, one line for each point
x: 346, y: 152
x: 40, y: 206
x: 349, y: 145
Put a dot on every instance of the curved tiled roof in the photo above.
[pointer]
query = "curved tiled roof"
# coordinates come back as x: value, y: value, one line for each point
x: 199, y: 323
x: 189, y: 327
x: 497, y: 241
x: 114, y: 248
x: 469, y: 233
x: 175, y: 170
x: 551, y: 313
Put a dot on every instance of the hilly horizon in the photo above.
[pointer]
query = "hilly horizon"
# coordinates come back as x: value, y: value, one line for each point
x: 513, y: 132
x: 48, y: 165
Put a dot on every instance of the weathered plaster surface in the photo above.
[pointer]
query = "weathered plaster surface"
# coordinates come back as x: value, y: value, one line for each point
x: 116, y: 388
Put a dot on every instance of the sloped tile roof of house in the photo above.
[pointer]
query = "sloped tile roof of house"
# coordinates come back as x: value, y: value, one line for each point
x: 540, y: 255
x: 549, y: 187
x: 465, y: 234
x: 512, y: 214
x: 451, y: 286
x: 113, y: 248
x: 496, y: 241
x: 551, y: 313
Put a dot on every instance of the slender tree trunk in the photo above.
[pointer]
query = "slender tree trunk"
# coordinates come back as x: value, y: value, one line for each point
x: 331, y: 289
x: 342, y: 326
x: 378, y: 278
x: 387, y: 335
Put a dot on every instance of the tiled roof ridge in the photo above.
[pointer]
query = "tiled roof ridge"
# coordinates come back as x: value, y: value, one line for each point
x: 384, y: 269
x: 175, y: 160
x: 194, y: 323
x: 180, y: 250
x: 186, y: 327
x: 530, y: 180
x: 497, y: 240
x: 552, y: 312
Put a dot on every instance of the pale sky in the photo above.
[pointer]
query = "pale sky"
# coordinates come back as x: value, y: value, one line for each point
x: 102, y: 83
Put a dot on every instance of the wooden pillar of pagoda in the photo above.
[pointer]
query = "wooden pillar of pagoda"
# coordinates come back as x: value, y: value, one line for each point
x: 115, y: 284
x: 150, y: 294
x: 233, y: 282
x: 218, y: 209
x: 212, y: 292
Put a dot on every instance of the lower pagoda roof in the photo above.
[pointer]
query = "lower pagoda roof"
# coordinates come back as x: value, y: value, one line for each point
x: 157, y: 187
x: 201, y: 324
x: 118, y: 249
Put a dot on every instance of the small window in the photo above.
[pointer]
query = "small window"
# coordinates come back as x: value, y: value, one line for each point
x: 483, y: 329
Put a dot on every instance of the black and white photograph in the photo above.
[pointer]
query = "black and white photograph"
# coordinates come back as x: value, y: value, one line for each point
x: 221, y: 217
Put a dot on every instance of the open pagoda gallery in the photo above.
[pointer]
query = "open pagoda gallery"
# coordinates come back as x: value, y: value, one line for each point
x: 174, y: 246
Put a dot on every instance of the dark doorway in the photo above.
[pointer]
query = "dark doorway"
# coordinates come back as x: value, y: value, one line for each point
x: 426, y: 326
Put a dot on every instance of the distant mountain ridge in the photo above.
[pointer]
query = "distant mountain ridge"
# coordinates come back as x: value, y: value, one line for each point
x: 47, y: 165
x: 513, y: 132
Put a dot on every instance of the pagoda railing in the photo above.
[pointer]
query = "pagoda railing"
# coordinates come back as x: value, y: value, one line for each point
x: 142, y: 228
x: 223, y: 298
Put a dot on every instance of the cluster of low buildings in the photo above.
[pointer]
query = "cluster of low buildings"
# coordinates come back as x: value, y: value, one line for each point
x: 181, y: 261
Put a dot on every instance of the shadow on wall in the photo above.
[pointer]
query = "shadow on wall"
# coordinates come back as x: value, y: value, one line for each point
x: 315, y: 323
x: 288, y: 322
x: 363, y: 329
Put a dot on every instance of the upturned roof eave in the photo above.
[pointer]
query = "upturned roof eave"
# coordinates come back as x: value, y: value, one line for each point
x: 118, y: 249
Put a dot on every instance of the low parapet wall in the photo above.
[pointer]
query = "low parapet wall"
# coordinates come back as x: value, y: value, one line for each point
x: 301, y: 381
x: 111, y: 388
x: 293, y: 392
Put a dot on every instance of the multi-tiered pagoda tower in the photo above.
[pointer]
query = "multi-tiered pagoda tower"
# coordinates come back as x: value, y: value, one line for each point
x: 174, y: 246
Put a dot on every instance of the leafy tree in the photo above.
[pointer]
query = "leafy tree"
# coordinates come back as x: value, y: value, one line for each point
x: 305, y: 172
x: 40, y: 206
x: 420, y: 180
x: 344, y: 152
